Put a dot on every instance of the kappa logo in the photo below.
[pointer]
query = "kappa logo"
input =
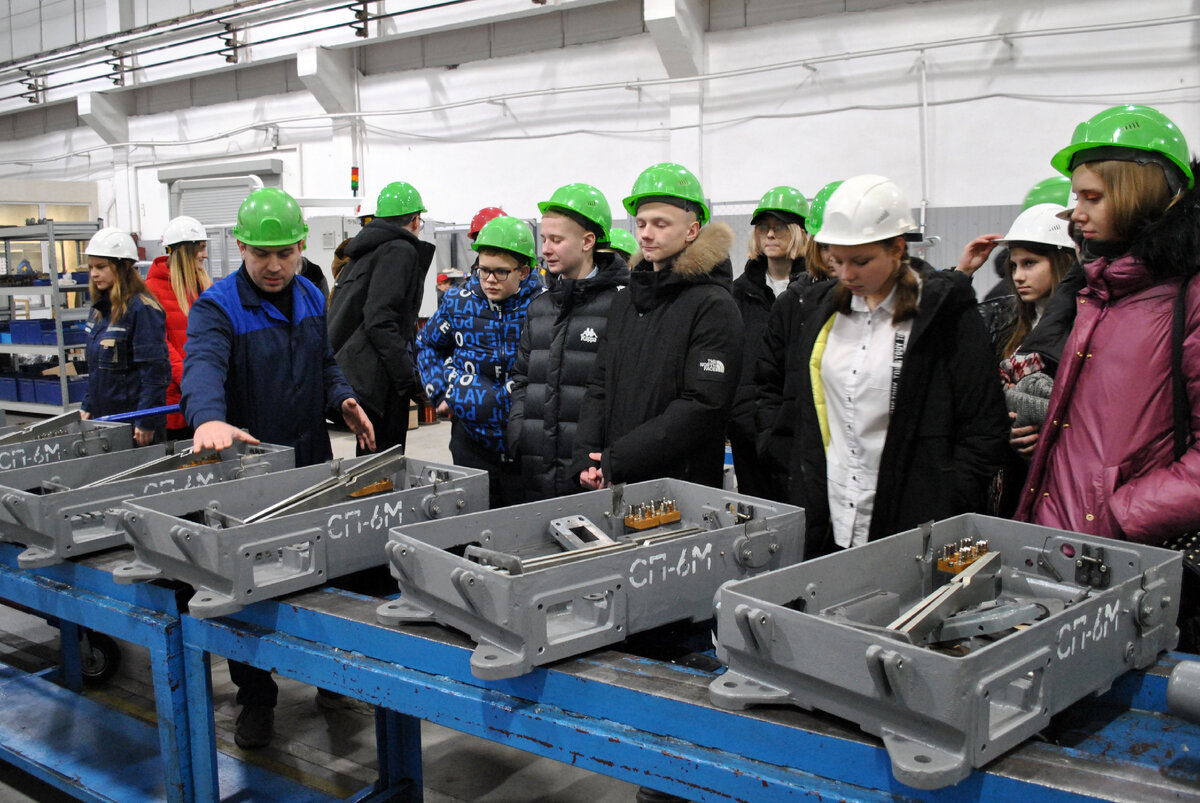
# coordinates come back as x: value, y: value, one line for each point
x: 713, y: 366
x: 589, y: 335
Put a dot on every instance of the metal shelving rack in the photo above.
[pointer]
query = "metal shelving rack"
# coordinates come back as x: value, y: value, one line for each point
x: 51, y: 233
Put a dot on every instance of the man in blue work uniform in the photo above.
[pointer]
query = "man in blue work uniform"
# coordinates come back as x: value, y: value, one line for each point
x: 258, y: 358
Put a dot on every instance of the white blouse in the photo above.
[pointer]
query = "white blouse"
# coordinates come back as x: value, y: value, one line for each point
x: 860, y: 372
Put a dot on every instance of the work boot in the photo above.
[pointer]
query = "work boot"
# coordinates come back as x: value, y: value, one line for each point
x: 332, y: 701
x: 255, y: 727
x: 647, y: 795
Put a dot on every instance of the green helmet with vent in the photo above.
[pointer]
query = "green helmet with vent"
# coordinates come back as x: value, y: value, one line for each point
x: 786, y: 203
x: 1129, y: 133
x: 270, y: 218
x: 581, y: 201
x: 509, y: 234
x: 669, y: 182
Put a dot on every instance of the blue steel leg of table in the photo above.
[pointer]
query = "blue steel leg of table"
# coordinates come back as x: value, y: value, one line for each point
x: 398, y: 739
x: 170, y: 703
x: 201, y: 729
x: 72, y: 664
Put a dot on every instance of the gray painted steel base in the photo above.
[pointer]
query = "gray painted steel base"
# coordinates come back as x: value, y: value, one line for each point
x: 201, y: 536
x: 504, y: 578
x: 61, y: 438
x: 815, y: 635
x: 57, y: 510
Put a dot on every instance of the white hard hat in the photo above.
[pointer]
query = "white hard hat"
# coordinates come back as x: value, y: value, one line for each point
x: 366, y: 208
x: 865, y: 209
x: 112, y: 243
x: 1040, y: 224
x: 183, y: 229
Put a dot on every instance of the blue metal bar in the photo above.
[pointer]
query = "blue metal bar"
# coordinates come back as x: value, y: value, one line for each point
x: 134, y: 414
x: 652, y: 724
x: 600, y: 745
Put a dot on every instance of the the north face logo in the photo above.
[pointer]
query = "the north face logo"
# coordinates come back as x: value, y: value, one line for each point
x: 589, y: 335
x: 713, y: 366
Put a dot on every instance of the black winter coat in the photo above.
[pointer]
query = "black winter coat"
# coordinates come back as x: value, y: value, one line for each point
x: 754, y: 299
x: 664, y: 380
x: 373, y: 312
x: 559, y: 342
x: 948, y: 434
x: 779, y: 372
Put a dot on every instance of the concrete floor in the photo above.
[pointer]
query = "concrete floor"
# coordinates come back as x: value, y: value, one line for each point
x: 333, y: 751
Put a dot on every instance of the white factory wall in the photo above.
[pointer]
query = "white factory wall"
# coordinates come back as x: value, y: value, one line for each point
x: 996, y: 110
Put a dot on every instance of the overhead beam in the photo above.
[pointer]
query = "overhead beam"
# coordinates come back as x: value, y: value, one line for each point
x: 104, y: 114
x: 330, y: 76
x: 677, y: 28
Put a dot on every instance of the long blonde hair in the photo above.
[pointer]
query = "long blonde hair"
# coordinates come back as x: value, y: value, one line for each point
x: 188, y: 277
x: 795, y: 246
x: 127, y: 283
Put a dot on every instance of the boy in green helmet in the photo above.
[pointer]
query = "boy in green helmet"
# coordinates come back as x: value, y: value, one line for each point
x: 561, y: 337
x: 661, y: 390
x: 467, y: 352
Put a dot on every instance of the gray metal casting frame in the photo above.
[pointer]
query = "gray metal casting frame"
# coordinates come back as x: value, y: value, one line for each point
x: 786, y: 639
x: 529, y: 615
x: 75, y: 438
x: 195, y: 536
x: 57, y: 510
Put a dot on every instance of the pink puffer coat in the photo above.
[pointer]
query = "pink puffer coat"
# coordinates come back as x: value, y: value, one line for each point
x: 1105, y: 459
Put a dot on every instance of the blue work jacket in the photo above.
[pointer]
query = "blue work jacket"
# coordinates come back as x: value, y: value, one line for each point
x: 251, y: 367
x: 128, y: 366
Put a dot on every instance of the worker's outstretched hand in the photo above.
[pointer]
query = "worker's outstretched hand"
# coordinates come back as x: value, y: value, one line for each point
x: 219, y: 435
x: 360, y: 425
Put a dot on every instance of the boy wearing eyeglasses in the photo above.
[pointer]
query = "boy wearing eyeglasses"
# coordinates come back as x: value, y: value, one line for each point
x: 467, y: 352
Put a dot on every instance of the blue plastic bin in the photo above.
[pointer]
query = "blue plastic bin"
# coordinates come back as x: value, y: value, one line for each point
x: 48, y: 391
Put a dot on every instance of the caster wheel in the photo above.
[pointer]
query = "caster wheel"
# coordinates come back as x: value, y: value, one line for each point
x: 100, y: 656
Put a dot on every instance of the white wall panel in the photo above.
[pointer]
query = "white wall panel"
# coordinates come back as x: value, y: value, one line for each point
x: 59, y: 23
x: 25, y: 27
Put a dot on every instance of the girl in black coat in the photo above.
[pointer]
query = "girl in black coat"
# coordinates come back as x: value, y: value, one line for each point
x: 776, y: 260
x: 900, y: 416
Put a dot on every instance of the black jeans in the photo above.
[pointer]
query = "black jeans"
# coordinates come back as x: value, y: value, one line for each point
x: 504, y: 478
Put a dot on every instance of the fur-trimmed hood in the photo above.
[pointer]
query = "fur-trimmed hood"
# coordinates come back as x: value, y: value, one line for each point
x: 1170, y: 246
x: 700, y: 260
x: 705, y: 261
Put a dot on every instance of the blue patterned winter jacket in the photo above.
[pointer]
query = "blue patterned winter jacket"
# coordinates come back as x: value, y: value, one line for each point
x: 467, y: 352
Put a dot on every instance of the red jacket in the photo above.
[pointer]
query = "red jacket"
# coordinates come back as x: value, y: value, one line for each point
x: 1104, y: 463
x: 158, y: 280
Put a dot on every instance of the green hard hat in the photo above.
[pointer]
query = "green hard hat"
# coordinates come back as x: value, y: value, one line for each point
x: 270, y: 218
x: 672, y: 181
x: 788, y: 200
x: 623, y: 241
x: 398, y: 198
x: 816, y: 210
x: 1054, y: 190
x: 581, y: 200
x: 508, y: 234
x: 1137, y: 128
